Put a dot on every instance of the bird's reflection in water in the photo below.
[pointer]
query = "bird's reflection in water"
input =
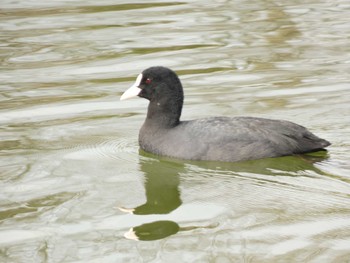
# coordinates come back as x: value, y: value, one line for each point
x: 161, y: 186
x: 162, y: 197
x: 162, y: 179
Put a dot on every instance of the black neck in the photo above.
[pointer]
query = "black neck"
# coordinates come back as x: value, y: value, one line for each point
x: 164, y: 114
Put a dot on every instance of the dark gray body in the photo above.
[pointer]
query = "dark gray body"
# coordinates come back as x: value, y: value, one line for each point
x: 229, y: 139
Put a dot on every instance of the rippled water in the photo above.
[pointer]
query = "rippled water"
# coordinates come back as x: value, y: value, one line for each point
x: 74, y: 186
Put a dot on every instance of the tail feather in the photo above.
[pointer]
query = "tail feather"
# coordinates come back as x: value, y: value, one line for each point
x: 312, y: 143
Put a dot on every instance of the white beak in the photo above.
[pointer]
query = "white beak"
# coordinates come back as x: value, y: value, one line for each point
x: 134, y: 90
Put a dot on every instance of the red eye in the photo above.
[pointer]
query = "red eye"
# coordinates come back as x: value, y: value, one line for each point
x: 148, y: 81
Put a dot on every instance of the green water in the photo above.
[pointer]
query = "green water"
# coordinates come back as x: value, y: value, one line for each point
x: 74, y: 186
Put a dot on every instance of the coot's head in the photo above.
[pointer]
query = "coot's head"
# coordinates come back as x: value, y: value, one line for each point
x: 157, y: 84
x: 163, y: 89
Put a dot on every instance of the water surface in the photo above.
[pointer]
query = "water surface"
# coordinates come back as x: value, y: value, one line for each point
x: 74, y: 186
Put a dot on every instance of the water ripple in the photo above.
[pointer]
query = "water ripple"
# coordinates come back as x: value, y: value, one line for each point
x: 119, y: 149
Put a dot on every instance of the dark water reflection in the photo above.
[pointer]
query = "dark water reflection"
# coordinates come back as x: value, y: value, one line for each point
x: 162, y: 182
x: 69, y: 156
x: 162, y: 196
x: 161, y: 186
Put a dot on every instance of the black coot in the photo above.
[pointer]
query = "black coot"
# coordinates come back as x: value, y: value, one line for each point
x: 215, y: 138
